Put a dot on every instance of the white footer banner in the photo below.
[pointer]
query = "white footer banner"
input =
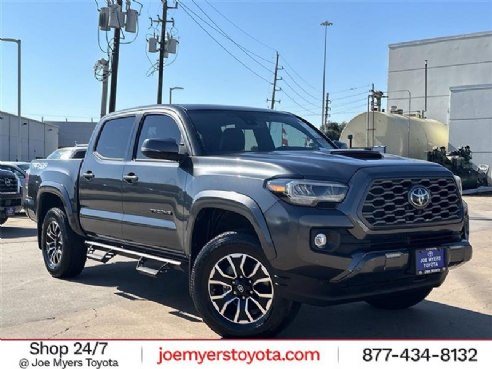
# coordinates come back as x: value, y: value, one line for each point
x: 242, y: 354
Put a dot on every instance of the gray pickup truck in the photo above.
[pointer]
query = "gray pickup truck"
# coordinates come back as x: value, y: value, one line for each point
x: 258, y: 206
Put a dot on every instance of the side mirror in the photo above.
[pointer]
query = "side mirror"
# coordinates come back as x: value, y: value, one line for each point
x: 161, y: 149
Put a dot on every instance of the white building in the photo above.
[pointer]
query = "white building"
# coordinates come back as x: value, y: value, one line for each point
x: 38, y: 139
x: 459, y: 86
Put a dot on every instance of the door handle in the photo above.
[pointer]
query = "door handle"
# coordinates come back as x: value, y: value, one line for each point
x: 88, y: 175
x: 130, y: 178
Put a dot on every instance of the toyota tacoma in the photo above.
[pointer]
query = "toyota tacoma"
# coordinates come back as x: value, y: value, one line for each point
x: 259, y: 208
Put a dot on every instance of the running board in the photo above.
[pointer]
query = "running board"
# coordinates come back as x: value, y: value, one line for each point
x: 125, y: 252
x: 152, y: 270
x: 103, y: 257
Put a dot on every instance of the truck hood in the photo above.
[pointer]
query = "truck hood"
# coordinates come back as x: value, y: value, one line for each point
x: 338, y: 165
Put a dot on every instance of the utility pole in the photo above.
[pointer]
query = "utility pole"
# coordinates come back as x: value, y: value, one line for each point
x: 114, y: 65
x: 19, y: 95
x: 104, y: 64
x: 275, y: 79
x: 325, y: 24
x: 327, y: 109
x: 162, y: 48
x: 425, y: 90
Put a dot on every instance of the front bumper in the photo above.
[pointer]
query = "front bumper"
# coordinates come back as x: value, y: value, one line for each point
x: 357, y: 263
x: 369, y: 274
x: 9, y: 201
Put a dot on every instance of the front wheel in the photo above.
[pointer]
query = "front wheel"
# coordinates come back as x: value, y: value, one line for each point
x: 399, y: 300
x: 64, y: 252
x: 233, y: 290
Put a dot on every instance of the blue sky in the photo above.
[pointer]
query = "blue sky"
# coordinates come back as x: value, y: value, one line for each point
x: 60, y: 47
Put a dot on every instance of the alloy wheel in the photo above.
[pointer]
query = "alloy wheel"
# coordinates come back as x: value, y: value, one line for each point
x: 241, y: 289
x: 54, y: 244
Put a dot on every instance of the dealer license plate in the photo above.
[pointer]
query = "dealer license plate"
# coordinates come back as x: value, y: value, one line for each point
x: 432, y: 260
x: 10, y: 212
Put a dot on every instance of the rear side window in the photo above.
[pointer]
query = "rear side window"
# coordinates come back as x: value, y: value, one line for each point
x: 113, y: 139
x: 79, y: 154
x: 160, y: 127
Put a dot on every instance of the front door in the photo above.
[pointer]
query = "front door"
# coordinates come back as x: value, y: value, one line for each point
x: 153, y: 190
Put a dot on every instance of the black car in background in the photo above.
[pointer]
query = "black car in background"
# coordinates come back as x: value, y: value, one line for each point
x: 10, y: 195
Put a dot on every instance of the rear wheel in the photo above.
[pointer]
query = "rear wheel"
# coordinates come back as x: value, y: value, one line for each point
x: 64, y: 252
x: 233, y: 290
x: 399, y: 300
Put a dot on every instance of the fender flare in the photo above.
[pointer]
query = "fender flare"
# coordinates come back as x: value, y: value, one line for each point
x: 61, y: 192
x: 237, y: 203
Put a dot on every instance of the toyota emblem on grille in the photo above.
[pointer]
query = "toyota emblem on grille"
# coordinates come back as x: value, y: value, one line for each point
x: 7, y: 181
x: 419, y: 197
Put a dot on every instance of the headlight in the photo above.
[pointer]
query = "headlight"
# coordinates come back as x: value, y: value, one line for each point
x: 459, y: 184
x: 306, y: 192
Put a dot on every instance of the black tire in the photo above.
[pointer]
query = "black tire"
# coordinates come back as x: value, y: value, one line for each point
x: 244, y: 294
x: 399, y: 300
x: 3, y: 220
x: 64, y: 259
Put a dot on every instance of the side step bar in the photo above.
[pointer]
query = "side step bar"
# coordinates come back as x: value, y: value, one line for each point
x: 121, y: 251
x: 151, y: 268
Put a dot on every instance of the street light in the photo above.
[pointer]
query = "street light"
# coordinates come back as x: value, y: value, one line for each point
x: 325, y: 24
x: 171, y: 92
x: 18, y: 42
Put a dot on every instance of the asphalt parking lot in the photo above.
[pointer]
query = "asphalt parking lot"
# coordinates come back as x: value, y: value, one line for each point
x: 114, y: 301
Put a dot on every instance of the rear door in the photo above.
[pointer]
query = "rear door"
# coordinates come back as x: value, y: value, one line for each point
x: 152, y: 189
x: 101, y: 209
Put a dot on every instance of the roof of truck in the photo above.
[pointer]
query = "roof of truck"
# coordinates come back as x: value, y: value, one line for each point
x: 189, y: 107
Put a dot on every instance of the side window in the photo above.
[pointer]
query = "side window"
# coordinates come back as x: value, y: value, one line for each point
x: 80, y: 154
x: 250, y: 143
x: 286, y: 135
x: 113, y: 139
x: 160, y: 127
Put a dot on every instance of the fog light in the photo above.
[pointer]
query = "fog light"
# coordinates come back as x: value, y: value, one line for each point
x: 320, y: 240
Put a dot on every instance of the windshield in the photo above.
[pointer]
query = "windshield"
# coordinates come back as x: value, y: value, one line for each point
x: 231, y: 131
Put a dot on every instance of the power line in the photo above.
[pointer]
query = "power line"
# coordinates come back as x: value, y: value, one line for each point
x: 349, y: 96
x: 268, y: 47
x: 230, y: 38
x: 222, y: 46
x: 352, y: 102
x: 350, y: 89
x: 298, y: 85
x: 351, y: 108
x: 300, y: 77
x: 295, y: 102
x: 298, y: 94
x: 346, y: 112
x: 219, y: 30
x: 242, y: 30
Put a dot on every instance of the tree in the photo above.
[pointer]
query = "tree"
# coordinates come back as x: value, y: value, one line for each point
x: 333, y: 130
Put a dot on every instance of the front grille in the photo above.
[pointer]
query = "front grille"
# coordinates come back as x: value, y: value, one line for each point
x: 8, y: 184
x: 387, y: 202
